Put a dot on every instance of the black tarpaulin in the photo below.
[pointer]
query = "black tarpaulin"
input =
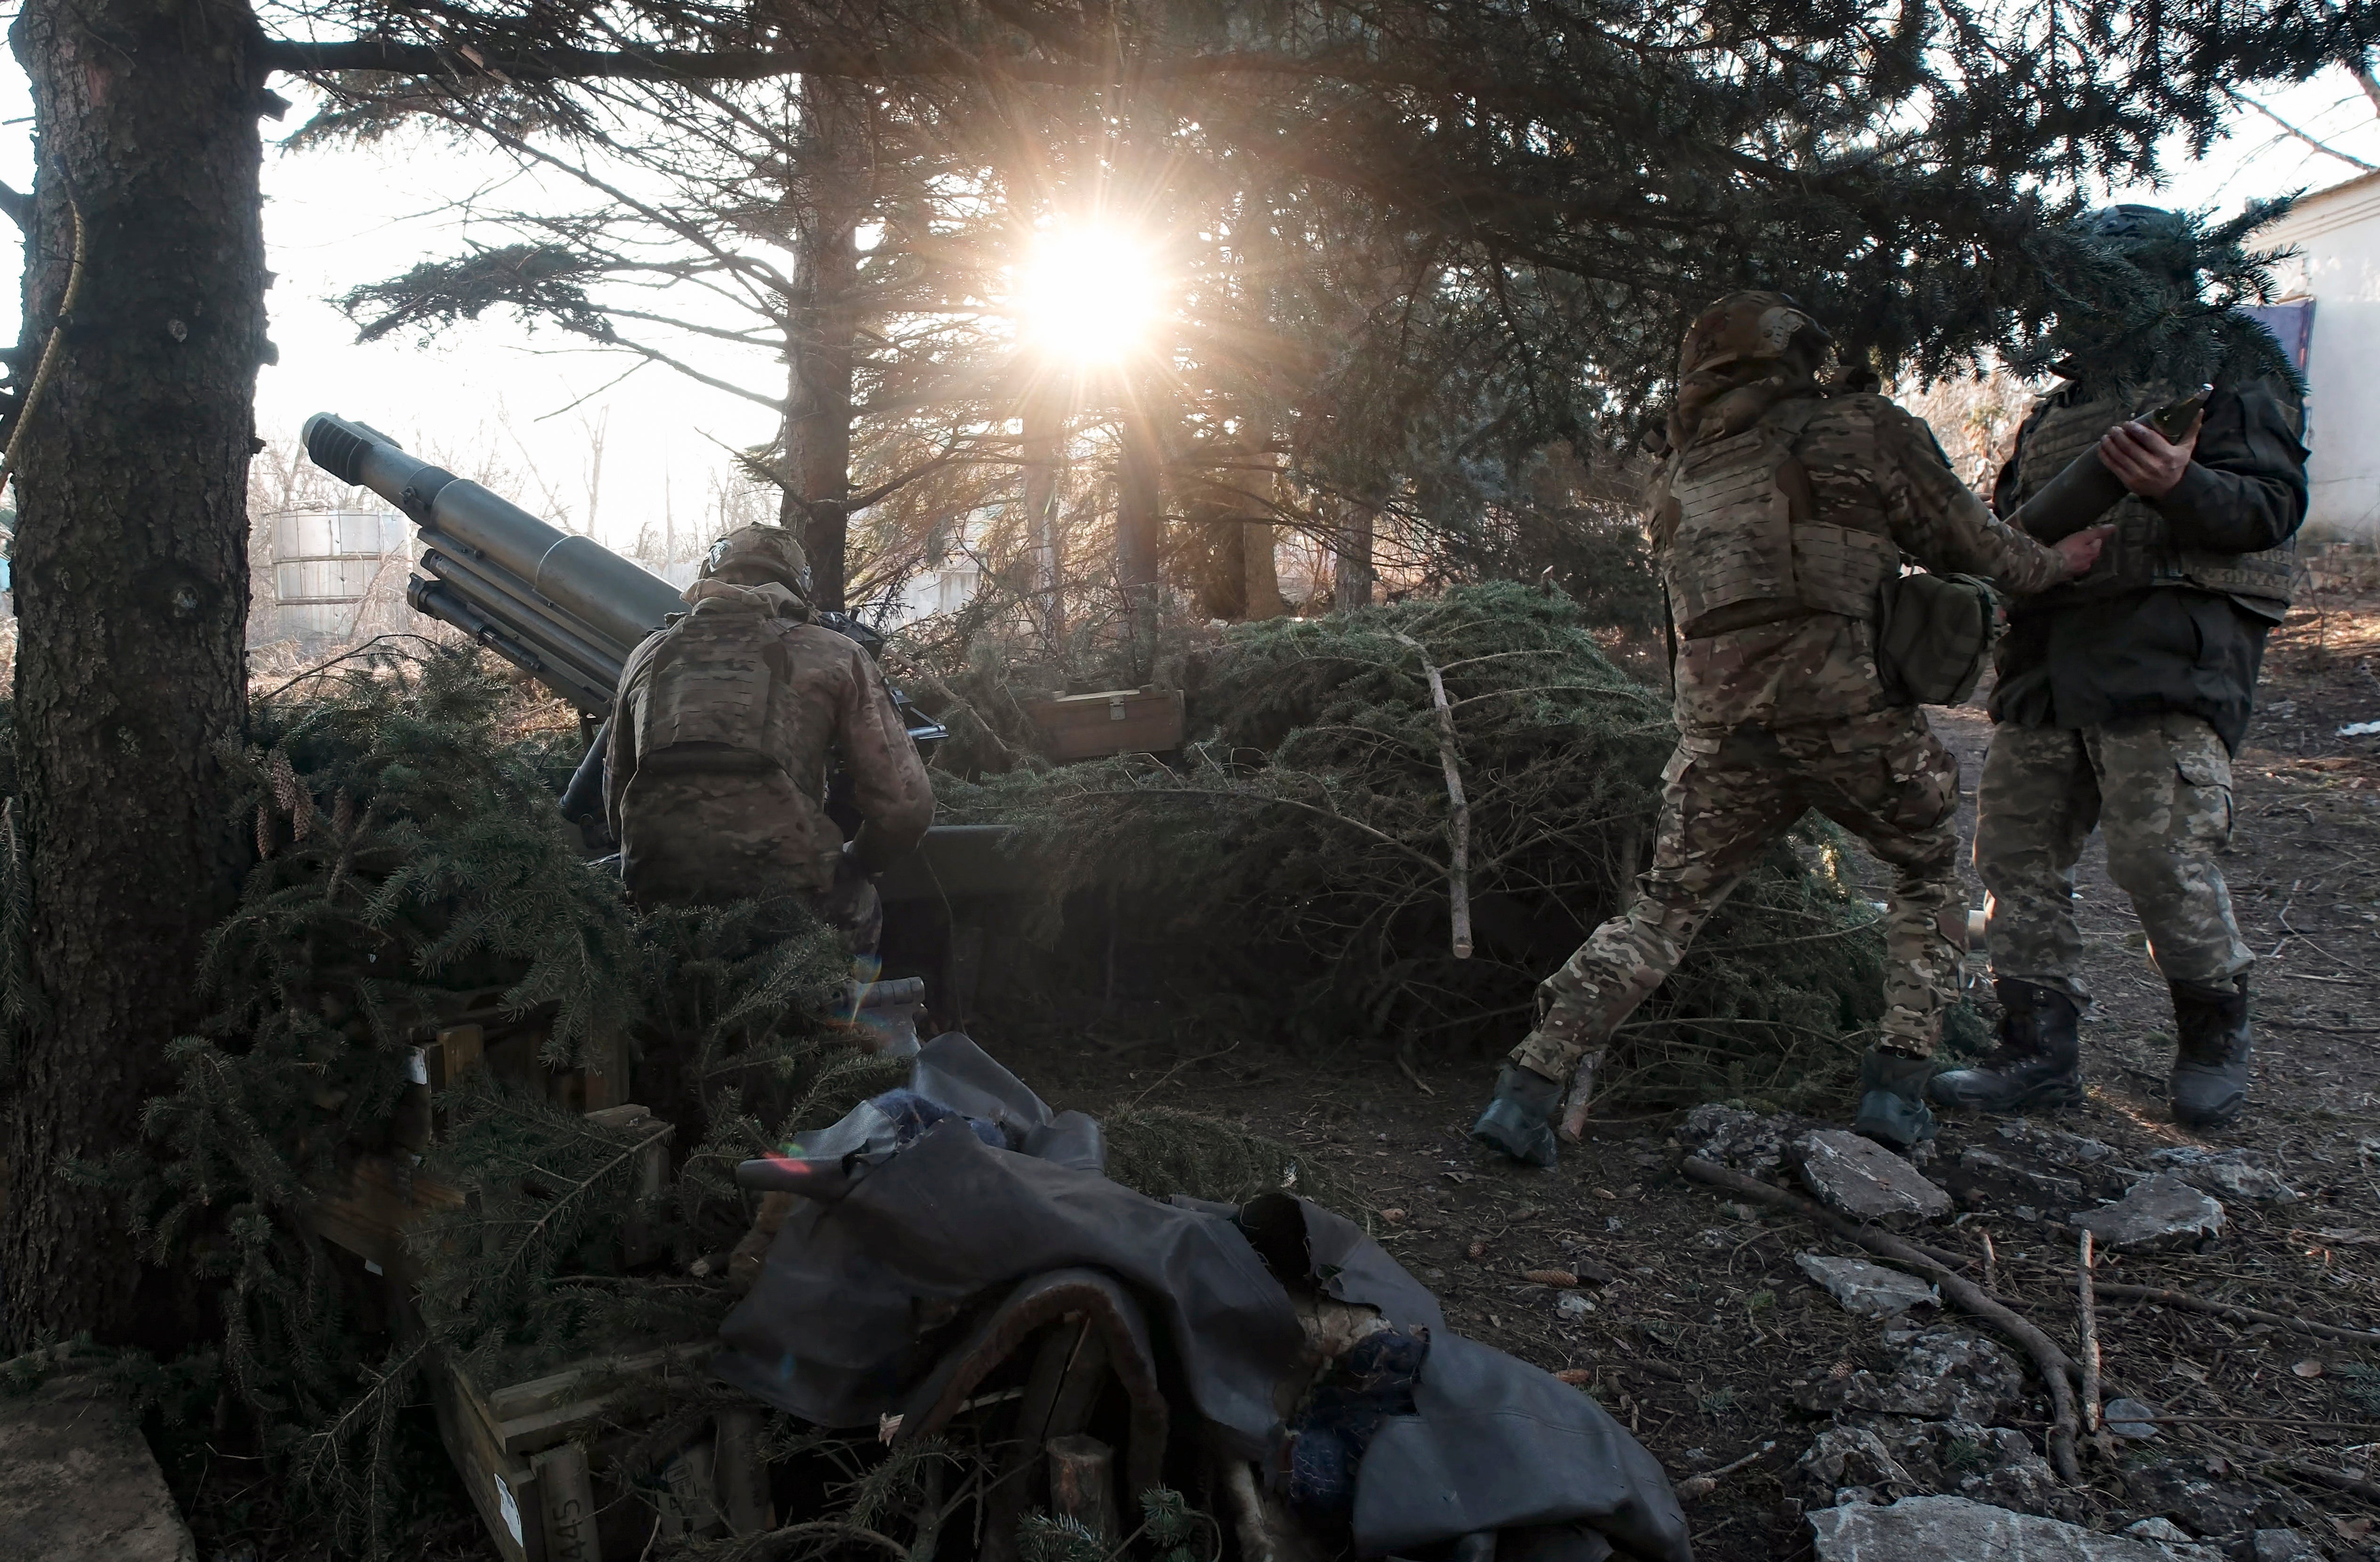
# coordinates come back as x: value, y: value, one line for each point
x: 832, y: 1330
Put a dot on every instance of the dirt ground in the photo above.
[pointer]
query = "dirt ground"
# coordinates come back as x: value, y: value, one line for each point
x: 1705, y: 1331
x: 1707, y: 1328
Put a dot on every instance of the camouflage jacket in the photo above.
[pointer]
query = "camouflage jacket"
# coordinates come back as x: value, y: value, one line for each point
x: 1872, y: 466
x: 751, y: 803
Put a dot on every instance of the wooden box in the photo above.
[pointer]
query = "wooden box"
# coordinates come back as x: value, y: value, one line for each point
x: 535, y: 1457
x: 1112, y: 721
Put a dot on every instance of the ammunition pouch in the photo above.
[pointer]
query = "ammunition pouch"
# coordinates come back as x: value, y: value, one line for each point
x: 1934, y: 635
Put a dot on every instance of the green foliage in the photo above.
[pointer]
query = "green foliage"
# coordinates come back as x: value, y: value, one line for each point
x: 1297, y: 863
x: 1159, y: 1151
x: 412, y: 864
x: 537, y: 281
x: 1044, y: 1538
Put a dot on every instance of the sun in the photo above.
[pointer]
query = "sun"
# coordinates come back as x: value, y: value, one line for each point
x: 1087, y: 294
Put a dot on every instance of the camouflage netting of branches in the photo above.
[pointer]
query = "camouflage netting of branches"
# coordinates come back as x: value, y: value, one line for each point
x: 1292, y: 872
x: 412, y: 866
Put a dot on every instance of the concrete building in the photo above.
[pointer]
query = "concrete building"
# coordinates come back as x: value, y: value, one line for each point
x: 2330, y: 320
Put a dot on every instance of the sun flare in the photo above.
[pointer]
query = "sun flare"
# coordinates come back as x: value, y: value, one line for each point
x: 1087, y: 293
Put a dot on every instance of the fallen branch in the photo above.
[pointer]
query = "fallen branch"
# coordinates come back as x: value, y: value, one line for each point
x: 2057, y: 1368
x: 2188, y: 1302
x: 2090, y: 1339
x: 1703, y: 1485
x: 2341, y: 1480
x: 1458, y: 877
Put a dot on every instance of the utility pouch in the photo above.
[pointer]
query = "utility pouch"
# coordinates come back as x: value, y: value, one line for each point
x: 1933, y: 635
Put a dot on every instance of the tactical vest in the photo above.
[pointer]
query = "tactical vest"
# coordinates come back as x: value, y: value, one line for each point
x: 708, y: 698
x: 1739, y: 554
x: 2142, y: 551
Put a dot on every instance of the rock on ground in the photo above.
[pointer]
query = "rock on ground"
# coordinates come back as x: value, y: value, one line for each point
x: 1869, y: 1290
x: 1738, y: 1139
x: 1945, y: 1374
x: 2233, y: 1174
x: 1861, y: 1178
x: 1943, y: 1527
x: 77, y: 1481
x: 1983, y: 1179
x: 2160, y: 1212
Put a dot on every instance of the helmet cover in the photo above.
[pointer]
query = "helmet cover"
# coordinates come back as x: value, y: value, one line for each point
x: 750, y: 555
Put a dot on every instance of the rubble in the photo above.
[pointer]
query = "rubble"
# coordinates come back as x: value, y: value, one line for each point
x: 1852, y: 1464
x: 2013, y: 1475
x: 2281, y: 1545
x: 1869, y: 1290
x: 1861, y: 1178
x: 1740, y: 1141
x: 2054, y: 1145
x: 1983, y: 1179
x: 2237, y: 1173
x: 2160, y: 1212
x: 1949, y: 1527
x: 1945, y: 1373
x: 2197, y: 1491
x: 77, y: 1478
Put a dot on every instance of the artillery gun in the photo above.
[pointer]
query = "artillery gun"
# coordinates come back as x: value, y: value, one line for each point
x: 567, y: 610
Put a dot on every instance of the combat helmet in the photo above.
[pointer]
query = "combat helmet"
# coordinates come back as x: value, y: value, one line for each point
x: 755, y: 555
x: 2154, y: 241
x: 1749, y: 328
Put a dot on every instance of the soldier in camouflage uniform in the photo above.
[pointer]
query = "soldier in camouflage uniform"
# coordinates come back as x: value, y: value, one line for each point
x: 1778, y: 518
x: 2121, y: 699
x: 727, y: 717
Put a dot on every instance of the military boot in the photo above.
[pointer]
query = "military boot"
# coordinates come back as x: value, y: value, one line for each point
x: 2037, y: 1063
x: 1892, y: 1109
x: 1519, y: 1119
x: 2210, y: 1065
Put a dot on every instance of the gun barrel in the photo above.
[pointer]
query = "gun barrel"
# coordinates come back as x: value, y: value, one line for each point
x: 587, y: 591
x: 447, y: 602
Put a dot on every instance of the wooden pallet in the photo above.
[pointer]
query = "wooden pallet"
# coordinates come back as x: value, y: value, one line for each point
x: 533, y: 1454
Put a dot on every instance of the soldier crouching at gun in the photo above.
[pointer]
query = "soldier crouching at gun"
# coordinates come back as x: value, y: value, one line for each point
x: 1779, y: 519
x: 720, y: 743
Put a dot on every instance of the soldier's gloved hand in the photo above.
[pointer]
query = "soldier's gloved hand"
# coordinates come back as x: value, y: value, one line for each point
x: 2141, y: 459
x: 2081, y: 549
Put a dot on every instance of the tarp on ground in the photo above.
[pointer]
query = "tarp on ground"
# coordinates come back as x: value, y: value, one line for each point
x: 830, y: 1330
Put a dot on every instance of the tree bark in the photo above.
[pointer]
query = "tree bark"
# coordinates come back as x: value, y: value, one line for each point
x: 1351, y: 585
x: 825, y: 321
x: 1259, y: 572
x: 1044, y: 454
x: 132, y: 578
x: 1140, y: 531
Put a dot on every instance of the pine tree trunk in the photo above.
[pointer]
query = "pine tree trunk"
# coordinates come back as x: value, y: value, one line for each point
x: 131, y: 579
x: 1260, y: 571
x: 1140, y: 531
x: 826, y: 319
x: 1044, y: 451
x: 1351, y: 585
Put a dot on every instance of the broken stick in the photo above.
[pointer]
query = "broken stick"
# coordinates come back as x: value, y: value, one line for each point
x: 2089, y: 1341
x: 1458, y: 877
x: 2190, y: 1303
x: 1582, y: 1094
x: 2056, y: 1367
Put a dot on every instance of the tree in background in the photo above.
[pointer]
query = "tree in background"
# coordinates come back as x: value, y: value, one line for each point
x: 1520, y: 202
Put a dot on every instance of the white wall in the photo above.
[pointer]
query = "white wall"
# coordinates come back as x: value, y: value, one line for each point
x: 2339, y: 229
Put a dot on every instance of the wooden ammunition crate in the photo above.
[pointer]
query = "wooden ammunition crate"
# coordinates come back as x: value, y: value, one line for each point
x: 1112, y: 721
x: 536, y: 1455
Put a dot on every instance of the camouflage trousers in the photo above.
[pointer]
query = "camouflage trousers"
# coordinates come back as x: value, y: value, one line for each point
x: 2160, y: 789
x: 1726, y: 799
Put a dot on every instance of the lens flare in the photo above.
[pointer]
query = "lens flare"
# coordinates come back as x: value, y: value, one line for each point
x: 1087, y: 293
